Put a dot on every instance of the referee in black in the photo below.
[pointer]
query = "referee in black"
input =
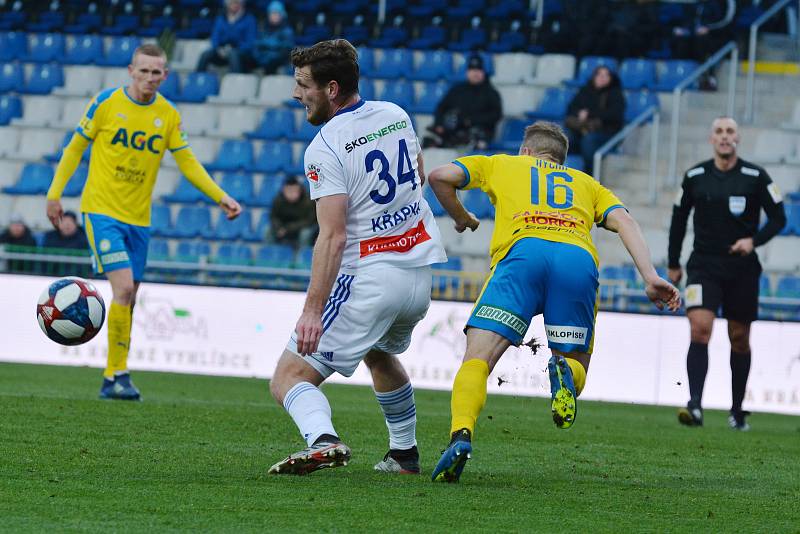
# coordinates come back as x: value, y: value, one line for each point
x: 727, y: 194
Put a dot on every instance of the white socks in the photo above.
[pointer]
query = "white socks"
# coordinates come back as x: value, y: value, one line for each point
x: 400, y: 412
x: 310, y: 411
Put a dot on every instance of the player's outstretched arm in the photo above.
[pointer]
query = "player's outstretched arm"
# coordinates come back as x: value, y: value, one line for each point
x: 444, y: 180
x: 70, y: 159
x: 194, y: 171
x: 659, y: 291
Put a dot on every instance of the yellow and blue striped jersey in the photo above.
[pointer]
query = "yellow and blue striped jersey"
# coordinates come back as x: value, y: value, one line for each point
x: 537, y: 198
x: 129, y: 139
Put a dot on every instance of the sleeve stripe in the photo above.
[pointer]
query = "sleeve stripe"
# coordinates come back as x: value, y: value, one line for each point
x: 79, y: 131
x: 466, y: 181
x: 101, y: 97
x: 609, y: 210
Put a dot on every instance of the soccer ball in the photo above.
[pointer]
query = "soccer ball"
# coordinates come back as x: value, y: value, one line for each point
x: 70, y: 311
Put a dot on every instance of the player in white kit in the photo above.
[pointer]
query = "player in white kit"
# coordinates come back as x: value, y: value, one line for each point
x: 370, y: 274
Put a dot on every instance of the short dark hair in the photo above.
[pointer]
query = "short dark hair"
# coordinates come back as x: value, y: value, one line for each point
x: 149, y: 50
x: 336, y: 59
x: 545, y: 138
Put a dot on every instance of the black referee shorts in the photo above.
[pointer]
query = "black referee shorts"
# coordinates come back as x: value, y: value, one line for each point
x: 731, y: 283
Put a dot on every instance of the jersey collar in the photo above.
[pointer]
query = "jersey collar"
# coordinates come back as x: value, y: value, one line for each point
x: 125, y: 89
x: 354, y: 107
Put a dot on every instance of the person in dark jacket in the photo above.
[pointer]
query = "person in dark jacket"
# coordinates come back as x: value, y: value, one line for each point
x: 17, y: 233
x: 595, y: 114
x: 272, y: 48
x: 469, y: 112
x: 231, y: 39
x: 68, y: 235
x: 293, y: 218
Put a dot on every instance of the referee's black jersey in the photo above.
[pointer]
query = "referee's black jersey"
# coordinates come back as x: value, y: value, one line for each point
x: 727, y: 207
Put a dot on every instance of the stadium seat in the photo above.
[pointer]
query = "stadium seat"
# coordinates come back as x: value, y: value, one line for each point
x: 237, y: 89
x: 158, y: 250
x: 259, y: 232
x: 197, y: 28
x: 160, y: 220
x: 198, y: 86
x: 444, y: 282
x: 13, y: 19
x: 303, y: 259
x: 396, y: 63
x: 366, y: 89
x: 273, y: 157
x: 171, y: 87
x: 792, y: 219
x: 672, y: 73
x: 233, y: 155
x: 75, y: 185
x: 40, y: 111
x: 185, y: 193
x: 553, y: 105
x: 553, y: 69
x: 366, y: 61
x: 199, y: 119
x: 313, y: 34
x: 518, y: 99
x: 12, y: 77
x: 124, y: 24
x: 478, y: 203
x: 115, y: 77
x: 192, y: 251
x: 270, y: 187
x: 233, y: 254
x: 9, y: 141
x: 433, y: 65
x: 510, y: 135
x: 45, y: 48
x: 430, y: 37
x: 277, y: 123
x: 239, y: 185
x: 636, y: 102
x: 433, y: 202
x: 119, y: 52
x: 81, y: 81
x: 273, y: 90
x: 190, y: 222
x: 280, y: 256
x: 473, y: 38
x: 357, y: 34
x: 304, y: 132
x: 234, y: 121
x: 43, y: 79
x: 587, y: 66
x: 157, y: 26
x: 513, y: 68
x: 85, y: 23
x: 638, y: 74
x: 226, y: 230
x: 574, y: 161
x: 390, y: 37
x: 788, y: 287
x: 429, y: 97
x: 773, y: 146
x: 47, y: 22
x: 620, y: 273
x: 34, y: 180
x: 400, y: 92
x: 55, y: 157
x: 13, y: 45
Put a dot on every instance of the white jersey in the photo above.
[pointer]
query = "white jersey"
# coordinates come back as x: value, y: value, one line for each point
x: 369, y: 152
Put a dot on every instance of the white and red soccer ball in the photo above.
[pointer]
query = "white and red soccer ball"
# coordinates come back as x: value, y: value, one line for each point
x: 70, y: 311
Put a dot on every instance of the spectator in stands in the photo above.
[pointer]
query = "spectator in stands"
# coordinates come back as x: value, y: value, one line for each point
x: 68, y: 235
x: 595, y: 114
x: 704, y: 27
x: 272, y: 48
x: 581, y: 27
x: 17, y: 233
x: 632, y: 29
x: 293, y: 218
x: 231, y: 39
x: 468, y: 113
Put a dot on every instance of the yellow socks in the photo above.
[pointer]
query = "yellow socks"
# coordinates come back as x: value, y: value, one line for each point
x: 119, y: 338
x: 578, y: 374
x: 469, y: 394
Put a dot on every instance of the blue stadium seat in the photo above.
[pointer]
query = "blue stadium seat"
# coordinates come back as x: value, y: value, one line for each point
x: 349, y: 7
x: 85, y: 23
x: 470, y: 39
x: 239, y: 185
x: 157, y: 26
x: 464, y: 9
x: 506, y: 9
x: 234, y: 254
x: 273, y: 157
x: 430, y: 37
x: 673, y: 73
x: 124, y: 24
x: 44, y: 78
x: 574, y: 161
x: 190, y: 222
x: 401, y: 92
x: 434, y: 65
x: 390, y: 37
x: 510, y: 135
x: 12, y: 77
x: 314, y: 34
x: 259, y: 232
x: 638, y: 74
x: 45, y: 48
x: 357, y: 34
x: 433, y: 202
x: 226, y: 230
x: 198, y: 87
x: 792, y: 219
x: 192, y: 251
x: 305, y: 131
x: 56, y: 157
x: 233, y: 155
x: 270, y: 187
x: 75, y: 185
x: 553, y: 105
x: 160, y: 220
x: 512, y: 40
x: 158, y: 250
x: 277, y: 123
x: 397, y: 63
x: 170, y: 88
x: 85, y: 50
x: 34, y: 179
x: 10, y: 108
x: 119, y: 52
x: 13, y: 45
x: 275, y: 256
x: 764, y: 286
x: 443, y: 282
x: 426, y: 8
x: 366, y: 61
x: 636, y: 102
x: 14, y: 19
x: 621, y: 273
x: 788, y: 287
x: 478, y: 203
x: 185, y: 193
x: 586, y: 68
x: 304, y: 256
x: 366, y: 89
x: 430, y: 96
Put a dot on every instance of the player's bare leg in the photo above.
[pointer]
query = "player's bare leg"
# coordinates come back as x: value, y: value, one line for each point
x: 567, y: 377
x: 701, y: 323
x: 295, y: 386
x: 396, y: 397
x: 117, y: 383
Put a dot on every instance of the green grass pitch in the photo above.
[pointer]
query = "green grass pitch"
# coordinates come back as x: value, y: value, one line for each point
x: 193, y: 457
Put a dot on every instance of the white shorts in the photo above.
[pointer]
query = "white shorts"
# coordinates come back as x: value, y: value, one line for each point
x: 377, y: 308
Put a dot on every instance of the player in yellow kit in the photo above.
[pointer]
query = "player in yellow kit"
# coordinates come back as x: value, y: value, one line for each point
x: 131, y: 128
x: 542, y: 261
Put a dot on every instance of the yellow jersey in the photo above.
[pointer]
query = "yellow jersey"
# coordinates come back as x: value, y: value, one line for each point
x: 537, y: 198
x: 129, y: 139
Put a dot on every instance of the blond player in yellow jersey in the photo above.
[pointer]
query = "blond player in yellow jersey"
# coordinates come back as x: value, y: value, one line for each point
x: 543, y: 262
x: 131, y: 128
